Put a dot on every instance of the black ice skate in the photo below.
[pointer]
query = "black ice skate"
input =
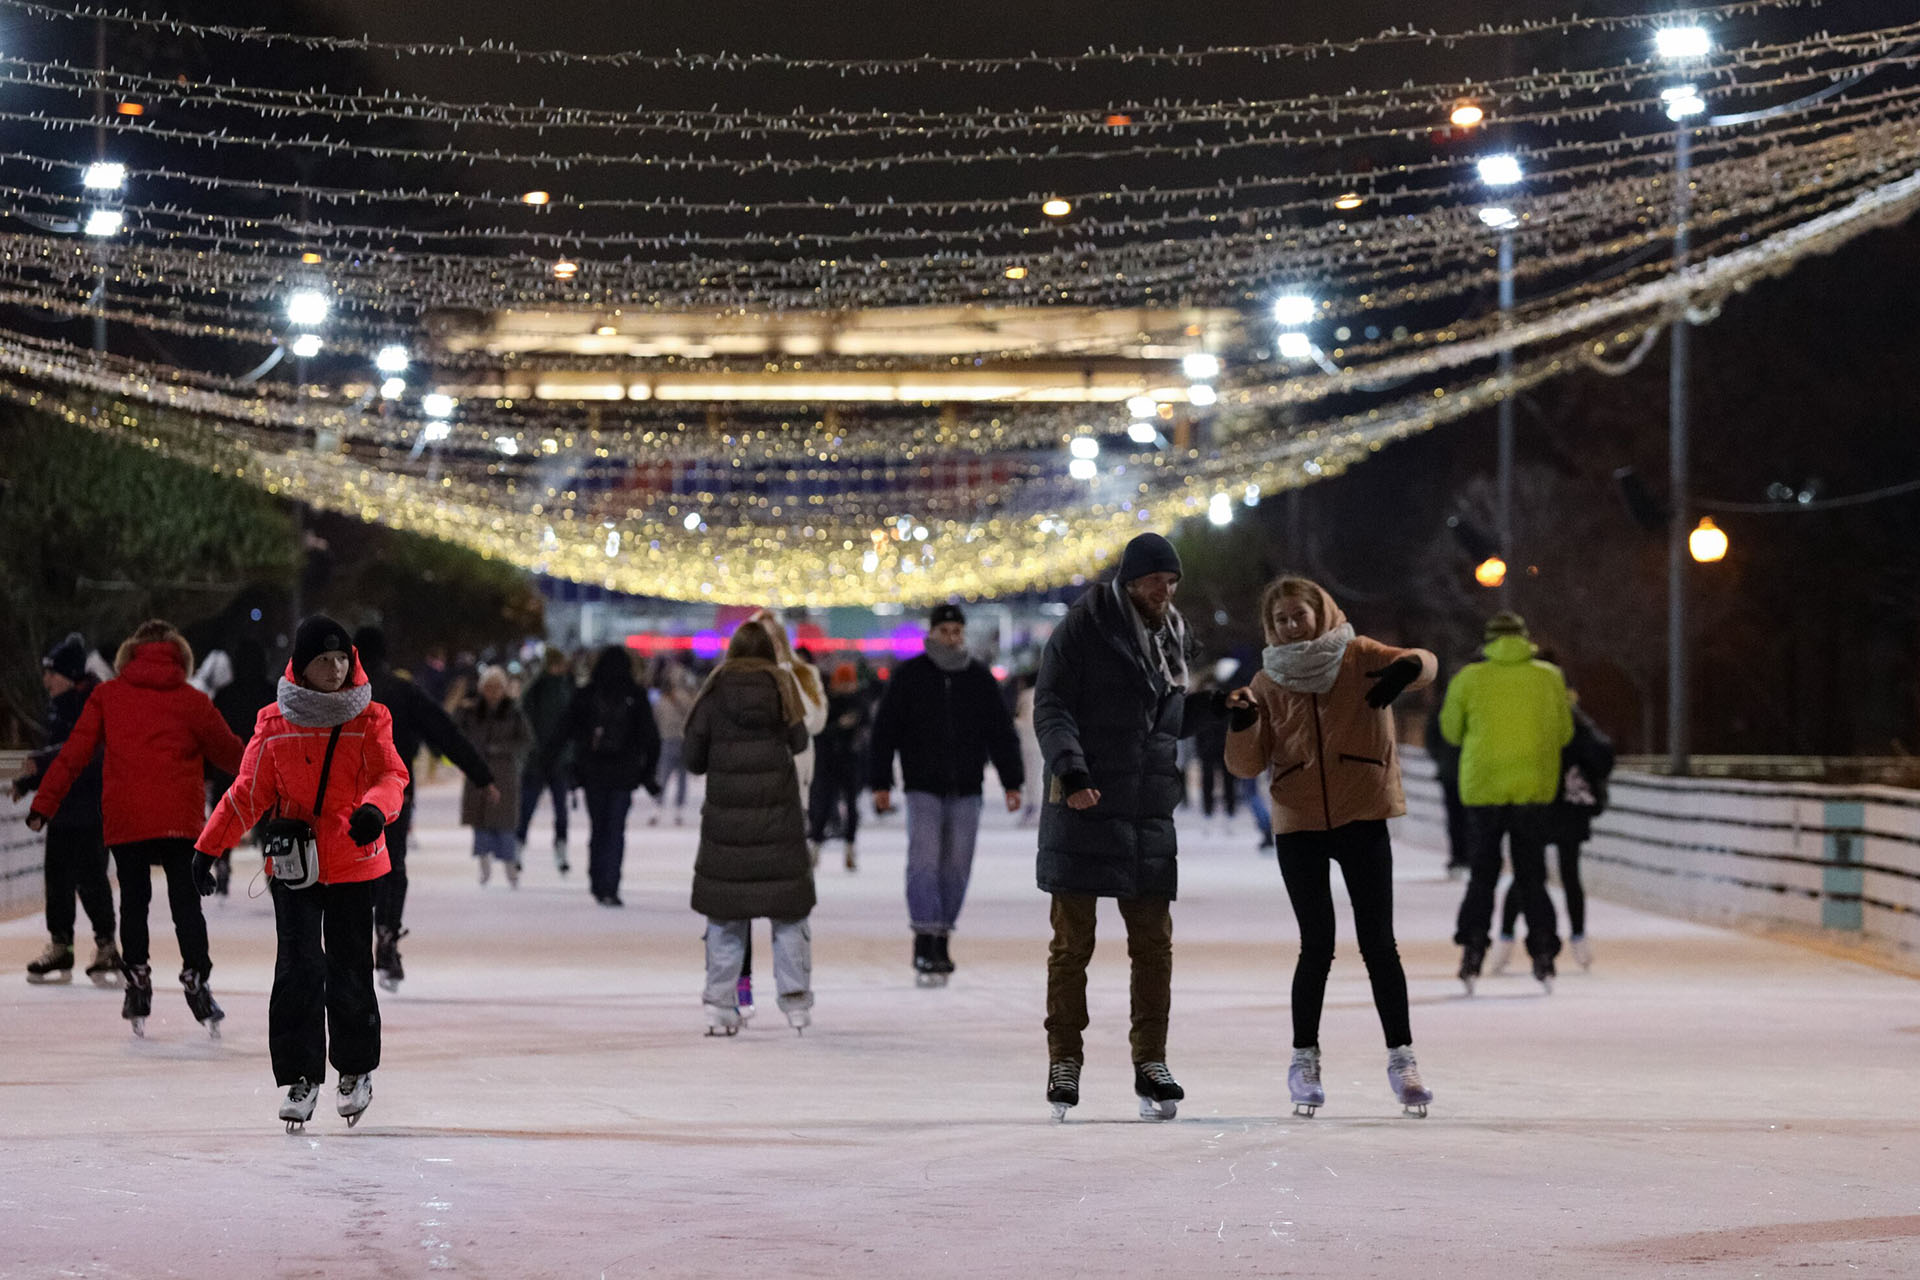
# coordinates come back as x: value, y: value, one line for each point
x: 1471, y: 958
x: 926, y: 970
x: 386, y: 958
x: 54, y: 965
x: 200, y: 1000
x: 1543, y: 972
x: 137, y: 1004
x: 1159, y: 1093
x: 942, y: 962
x: 105, y: 969
x: 1063, y: 1086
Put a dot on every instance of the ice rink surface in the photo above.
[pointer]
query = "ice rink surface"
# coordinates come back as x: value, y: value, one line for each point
x: 1702, y: 1103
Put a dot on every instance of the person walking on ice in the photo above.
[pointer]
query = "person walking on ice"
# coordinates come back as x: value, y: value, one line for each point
x: 1510, y: 717
x: 1318, y: 718
x: 159, y: 734
x: 321, y: 755
x: 1110, y: 708
x: 943, y: 715
x: 499, y: 731
x: 747, y: 725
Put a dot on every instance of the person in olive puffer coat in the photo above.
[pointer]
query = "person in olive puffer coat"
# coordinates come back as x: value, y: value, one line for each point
x: 746, y: 726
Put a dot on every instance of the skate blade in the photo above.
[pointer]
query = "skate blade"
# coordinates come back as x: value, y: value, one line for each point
x: 1415, y: 1111
x: 1305, y: 1110
x: 139, y: 1026
x: 213, y: 1029
x: 1546, y: 986
x: 354, y: 1119
x: 296, y: 1126
x: 723, y: 1031
x: 52, y: 979
x: 1151, y: 1110
x: 1060, y: 1110
x: 1468, y: 984
x: 389, y: 984
x: 109, y: 980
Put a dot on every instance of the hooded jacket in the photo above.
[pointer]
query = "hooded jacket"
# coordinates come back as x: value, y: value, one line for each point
x: 504, y: 739
x: 1510, y: 716
x: 1332, y: 756
x: 281, y: 774
x: 753, y: 858
x: 81, y: 808
x: 1106, y: 721
x: 160, y: 733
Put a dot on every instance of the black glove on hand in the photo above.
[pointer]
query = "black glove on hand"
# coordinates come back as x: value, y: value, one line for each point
x: 203, y: 873
x: 1392, y: 680
x: 366, y: 824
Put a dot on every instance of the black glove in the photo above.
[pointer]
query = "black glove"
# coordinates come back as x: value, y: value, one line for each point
x: 203, y: 879
x: 366, y: 824
x: 1392, y: 680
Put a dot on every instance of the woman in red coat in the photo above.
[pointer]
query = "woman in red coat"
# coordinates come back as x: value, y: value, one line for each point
x: 160, y: 733
x: 323, y: 972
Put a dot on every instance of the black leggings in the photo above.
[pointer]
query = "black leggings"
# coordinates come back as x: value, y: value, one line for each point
x: 1569, y: 855
x: 390, y: 890
x: 134, y: 863
x: 1365, y: 855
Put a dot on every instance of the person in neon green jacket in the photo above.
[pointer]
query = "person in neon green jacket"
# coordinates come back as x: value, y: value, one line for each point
x: 1510, y: 716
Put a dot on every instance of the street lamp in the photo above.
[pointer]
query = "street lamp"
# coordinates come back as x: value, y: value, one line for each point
x: 1220, y: 510
x: 1295, y: 345
x: 1200, y: 366
x: 1292, y: 310
x: 104, y: 175
x: 308, y: 308
x: 104, y: 222
x: 392, y: 358
x: 1683, y: 103
x: 1491, y: 572
x: 1500, y: 171
x: 306, y: 345
x: 1708, y: 542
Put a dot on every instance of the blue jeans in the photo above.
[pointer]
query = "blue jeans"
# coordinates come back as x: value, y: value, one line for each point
x: 606, y: 837
x: 1253, y: 794
x: 941, y: 831
x: 489, y: 843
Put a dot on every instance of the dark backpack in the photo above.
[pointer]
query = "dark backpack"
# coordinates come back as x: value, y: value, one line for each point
x: 612, y: 733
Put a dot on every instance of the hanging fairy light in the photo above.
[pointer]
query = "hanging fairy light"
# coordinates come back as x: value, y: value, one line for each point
x: 1466, y: 115
x: 1057, y: 207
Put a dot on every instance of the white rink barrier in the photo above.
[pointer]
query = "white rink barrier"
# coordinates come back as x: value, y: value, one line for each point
x: 1844, y: 860
x: 22, y: 885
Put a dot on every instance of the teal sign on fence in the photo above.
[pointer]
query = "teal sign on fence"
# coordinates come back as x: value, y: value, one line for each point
x: 1842, y: 881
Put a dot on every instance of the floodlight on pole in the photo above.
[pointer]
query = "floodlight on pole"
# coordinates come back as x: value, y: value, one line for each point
x: 1220, y: 510
x: 1143, y: 432
x: 393, y: 388
x: 1677, y: 44
x: 1501, y: 170
x: 104, y: 175
x: 1295, y: 345
x: 306, y: 345
x: 1143, y: 406
x: 308, y: 308
x: 1084, y: 447
x: 1292, y: 310
x: 392, y: 358
x: 1683, y: 102
x: 104, y: 222
x: 437, y: 405
x: 1202, y: 395
x: 1499, y: 217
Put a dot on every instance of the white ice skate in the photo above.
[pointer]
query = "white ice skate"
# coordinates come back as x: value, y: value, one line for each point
x: 1581, y: 951
x: 560, y: 863
x: 800, y: 1020
x: 722, y: 1021
x: 298, y: 1108
x: 1502, y: 954
x: 1303, y: 1082
x: 486, y: 867
x: 1403, y: 1074
x: 356, y: 1092
x: 513, y: 874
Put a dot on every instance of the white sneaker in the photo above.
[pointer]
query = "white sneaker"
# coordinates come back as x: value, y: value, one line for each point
x: 1581, y: 951
x: 354, y: 1095
x: 1502, y: 954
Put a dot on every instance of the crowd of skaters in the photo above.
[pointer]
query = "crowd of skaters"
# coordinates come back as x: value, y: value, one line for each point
x: 1106, y: 731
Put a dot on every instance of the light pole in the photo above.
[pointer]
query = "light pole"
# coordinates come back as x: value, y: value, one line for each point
x: 1500, y: 171
x: 1683, y: 103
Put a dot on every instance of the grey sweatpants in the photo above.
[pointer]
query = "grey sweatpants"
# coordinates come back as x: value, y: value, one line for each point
x: 792, y: 962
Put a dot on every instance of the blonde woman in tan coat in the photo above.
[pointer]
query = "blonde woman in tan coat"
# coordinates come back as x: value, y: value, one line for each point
x: 1318, y: 717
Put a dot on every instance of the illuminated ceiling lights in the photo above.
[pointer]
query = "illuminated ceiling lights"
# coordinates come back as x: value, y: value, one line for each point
x: 1295, y: 345
x: 1349, y: 201
x: 1683, y: 102
x: 1200, y: 366
x: 1016, y: 273
x: 1499, y: 217
x: 306, y: 345
x: 103, y: 222
x: 1501, y: 170
x: 1057, y: 207
x: 308, y: 307
x: 1294, y: 309
x: 391, y: 358
x: 565, y: 269
x: 104, y: 175
x: 1466, y: 115
x: 1678, y: 44
x: 537, y: 198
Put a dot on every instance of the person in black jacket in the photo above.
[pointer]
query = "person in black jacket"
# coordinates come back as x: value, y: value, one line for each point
x: 616, y: 748
x: 943, y: 714
x: 836, y: 763
x: 1586, y: 765
x: 239, y: 702
x: 417, y: 718
x: 1110, y: 708
x: 76, y: 853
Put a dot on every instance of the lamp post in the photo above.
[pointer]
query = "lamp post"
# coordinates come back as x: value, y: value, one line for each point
x: 1683, y: 103
x: 1500, y: 171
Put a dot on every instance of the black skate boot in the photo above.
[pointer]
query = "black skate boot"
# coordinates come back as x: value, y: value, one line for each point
x: 386, y: 958
x: 137, y: 1004
x: 942, y: 962
x: 1159, y: 1093
x: 105, y: 970
x: 200, y: 1000
x: 1543, y: 972
x: 925, y: 972
x: 54, y: 965
x: 1063, y: 1086
x: 1471, y: 958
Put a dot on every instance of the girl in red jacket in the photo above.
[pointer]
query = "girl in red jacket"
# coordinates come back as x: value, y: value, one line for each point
x: 160, y: 733
x: 323, y: 972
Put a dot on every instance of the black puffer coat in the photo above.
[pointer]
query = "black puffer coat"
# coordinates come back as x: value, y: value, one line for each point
x: 1102, y: 717
x: 753, y: 857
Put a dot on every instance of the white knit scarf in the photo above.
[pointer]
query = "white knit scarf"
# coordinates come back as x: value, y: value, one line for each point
x: 312, y: 709
x: 1308, y: 666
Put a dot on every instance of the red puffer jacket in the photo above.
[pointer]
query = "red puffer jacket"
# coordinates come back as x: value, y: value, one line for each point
x: 159, y: 731
x: 281, y: 773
